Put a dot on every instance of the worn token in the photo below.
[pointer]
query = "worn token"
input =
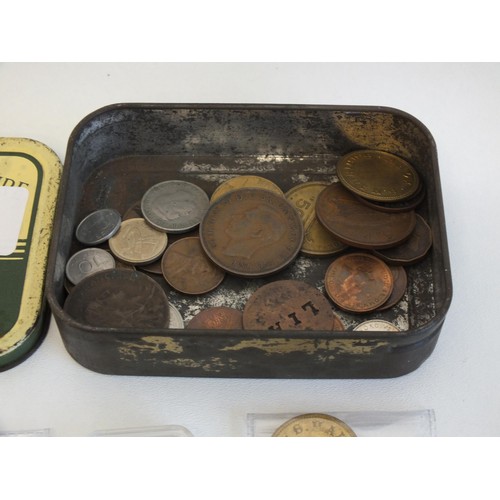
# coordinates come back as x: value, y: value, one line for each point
x: 244, y: 181
x: 187, y: 268
x: 251, y: 232
x: 138, y: 243
x: 317, y: 240
x: 376, y: 325
x: 217, y: 318
x: 87, y: 262
x: 400, y: 280
x: 314, y: 425
x: 287, y: 305
x: 377, y: 175
x: 98, y: 227
x: 119, y: 298
x: 411, y: 251
x: 175, y: 320
x: 174, y: 206
x: 358, y: 282
x: 358, y: 225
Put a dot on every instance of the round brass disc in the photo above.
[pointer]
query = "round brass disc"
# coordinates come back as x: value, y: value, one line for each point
x: 314, y: 425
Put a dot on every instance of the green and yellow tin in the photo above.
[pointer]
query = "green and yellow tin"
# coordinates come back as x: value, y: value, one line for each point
x: 29, y: 184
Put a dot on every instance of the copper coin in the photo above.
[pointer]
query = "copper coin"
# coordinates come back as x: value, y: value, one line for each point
x: 154, y: 267
x: 377, y: 175
x: 217, y: 318
x: 338, y: 325
x: 118, y: 298
x: 358, y: 225
x: 358, y: 282
x: 400, y: 282
x: 186, y: 267
x: 244, y: 181
x: 287, y: 305
x: 252, y: 232
x: 133, y: 212
x: 413, y: 250
x: 314, y: 425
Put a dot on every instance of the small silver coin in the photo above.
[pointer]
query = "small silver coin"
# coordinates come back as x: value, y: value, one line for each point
x: 376, y: 325
x: 87, y: 262
x: 98, y: 227
x: 175, y: 319
x: 174, y: 206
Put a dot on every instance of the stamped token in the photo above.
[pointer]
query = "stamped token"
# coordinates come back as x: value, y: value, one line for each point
x: 314, y: 425
x: 376, y: 325
x: 98, y: 227
x: 87, y: 262
x: 358, y: 282
x: 174, y: 206
x: 251, y: 232
x: 217, y: 318
x: 287, y: 305
x: 244, y: 181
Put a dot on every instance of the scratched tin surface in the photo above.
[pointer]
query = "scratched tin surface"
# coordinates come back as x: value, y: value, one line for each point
x: 117, y: 153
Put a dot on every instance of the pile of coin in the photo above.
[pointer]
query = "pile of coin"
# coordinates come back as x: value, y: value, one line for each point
x: 249, y: 228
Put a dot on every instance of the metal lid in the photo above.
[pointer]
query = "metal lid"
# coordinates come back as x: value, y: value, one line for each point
x: 29, y: 183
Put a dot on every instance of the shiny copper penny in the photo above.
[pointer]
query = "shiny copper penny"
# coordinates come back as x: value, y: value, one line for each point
x: 217, y: 318
x: 358, y: 225
x: 244, y: 181
x: 118, y: 298
x: 377, y: 175
x: 413, y: 250
x: 251, y: 232
x: 317, y: 240
x: 287, y: 305
x: 314, y: 425
x: 400, y: 282
x: 187, y: 268
x: 358, y: 282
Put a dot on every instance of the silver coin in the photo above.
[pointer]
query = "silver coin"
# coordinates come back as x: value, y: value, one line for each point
x: 98, y: 226
x: 175, y: 319
x: 174, y: 206
x: 87, y: 262
x: 376, y: 325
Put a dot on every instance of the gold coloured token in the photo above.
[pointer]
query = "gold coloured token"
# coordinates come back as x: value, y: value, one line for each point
x: 377, y: 175
x: 244, y: 181
x: 314, y: 425
x: 317, y: 240
x: 137, y: 242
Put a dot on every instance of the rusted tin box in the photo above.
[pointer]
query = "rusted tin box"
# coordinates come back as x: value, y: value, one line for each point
x: 115, y: 154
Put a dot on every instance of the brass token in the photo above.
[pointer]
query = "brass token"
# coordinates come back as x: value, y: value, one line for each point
x: 358, y: 225
x: 358, y: 282
x: 314, y: 425
x: 138, y: 243
x: 217, y: 318
x: 251, y: 232
x: 377, y: 175
x: 317, y: 240
x: 287, y: 305
x: 187, y: 268
x: 400, y: 280
x: 244, y: 181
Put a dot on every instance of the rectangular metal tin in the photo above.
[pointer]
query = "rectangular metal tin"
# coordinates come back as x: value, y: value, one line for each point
x: 119, y: 151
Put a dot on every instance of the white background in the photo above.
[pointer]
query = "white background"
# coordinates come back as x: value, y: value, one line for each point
x: 459, y: 103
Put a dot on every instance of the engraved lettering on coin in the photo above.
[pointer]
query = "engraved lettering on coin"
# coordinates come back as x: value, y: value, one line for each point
x: 87, y: 262
x: 217, y: 318
x: 244, y: 181
x: 98, y: 227
x: 376, y: 325
x: 314, y: 425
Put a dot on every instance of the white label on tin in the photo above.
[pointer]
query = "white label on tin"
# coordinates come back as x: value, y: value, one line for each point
x: 12, y: 207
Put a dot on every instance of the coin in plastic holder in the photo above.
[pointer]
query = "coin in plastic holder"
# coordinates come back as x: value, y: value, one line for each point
x: 98, y: 227
x: 87, y: 262
x: 314, y: 425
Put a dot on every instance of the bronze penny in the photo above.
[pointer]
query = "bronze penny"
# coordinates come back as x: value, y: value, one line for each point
x: 377, y: 175
x: 133, y: 212
x: 400, y: 280
x: 358, y: 282
x: 251, y: 232
x: 287, y: 305
x: 376, y: 325
x: 338, y: 325
x: 358, y: 225
x: 244, y: 181
x: 118, y: 298
x: 413, y: 250
x: 314, y: 425
x: 186, y: 267
x: 154, y: 267
x: 217, y: 318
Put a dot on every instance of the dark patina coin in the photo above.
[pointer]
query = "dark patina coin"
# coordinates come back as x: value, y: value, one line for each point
x: 217, y: 318
x: 338, y: 325
x: 98, y: 227
x: 358, y: 225
x: 287, y: 305
x: 133, y: 212
x: 119, y: 298
x: 358, y: 282
x: 413, y: 250
x: 400, y: 280
x: 252, y: 232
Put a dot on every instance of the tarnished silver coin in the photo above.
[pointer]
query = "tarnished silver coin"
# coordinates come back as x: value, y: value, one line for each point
x: 87, y: 262
x: 175, y: 319
x: 376, y: 325
x: 98, y: 227
x: 174, y: 206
